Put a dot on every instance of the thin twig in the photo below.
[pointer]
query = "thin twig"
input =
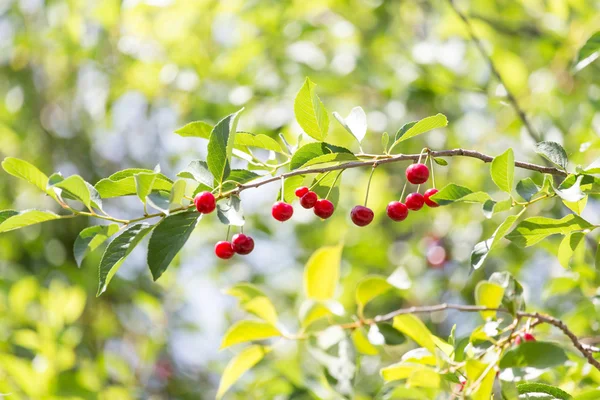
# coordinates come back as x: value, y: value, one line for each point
x: 511, y: 97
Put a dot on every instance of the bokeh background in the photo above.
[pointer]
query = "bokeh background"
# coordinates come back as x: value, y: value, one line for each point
x: 96, y: 86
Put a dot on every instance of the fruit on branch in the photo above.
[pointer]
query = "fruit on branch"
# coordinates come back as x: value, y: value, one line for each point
x: 282, y: 211
x: 528, y: 337
x: 224, y: 250
x: 301, y: 191
x: 324, y: 208
x: 361, y: 215
x: 205, y: 202
x: 428, y: 194
x: 415, y: 201
x: 309, y: 200
x: 397, y: 211
x: 417, y: 173
x: 242, y: 244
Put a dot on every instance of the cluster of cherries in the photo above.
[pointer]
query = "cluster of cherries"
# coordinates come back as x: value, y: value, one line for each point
x: 322, y: 208
x: 527, y: 337
x: 241, y: 244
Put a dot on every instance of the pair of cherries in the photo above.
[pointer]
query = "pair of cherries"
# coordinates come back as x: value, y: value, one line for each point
x: 322, y: 208
x: 241, y: 244
x: 527, y: 337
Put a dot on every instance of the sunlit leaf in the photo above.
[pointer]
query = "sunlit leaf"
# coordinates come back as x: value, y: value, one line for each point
x: 503, y: 170
x: 527, y: 188
x: 553, y: 152
x: 238, y: 365
x: 482, y: 249
x: 77, y: 187
x: 198, y: 171
x: 568, y: 246
x: 588, y: 53
x: 535, y: 355
x: 220, y: 147
x: 261, y: 141
x: 310, y: 112
x: 362, y: 344
x: 246, y: 331
x: 534, y: 229
x: 488, y: 294
x: 144, y: 182
x: 198, y: 129
x: 311, y: 151
x: 425, y: 125
x: 322, y: 272
x: 123, y: 183
x: 26, y: 171
x: 355, y: 123
x: 25, y: 218
x: 454, y: 193
x: 230, y: 211
x: 475, y: 373
x: 415, y: 329
x: 368, y: 288
x: 90, y: 238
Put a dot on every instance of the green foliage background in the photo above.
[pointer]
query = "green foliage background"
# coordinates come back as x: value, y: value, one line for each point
x: 93, y: 87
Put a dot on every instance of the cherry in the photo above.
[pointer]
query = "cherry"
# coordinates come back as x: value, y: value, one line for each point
x: 397, y: 211
x: 415, y: 201
x: 282, y: 211
x: 528, y: 337
x: 361, y: 215
x: 205, y: 202
x: 427, y: 195
x: 309, y: 200
x: 301, y: 191
x: 324, y: 208
x: 242, y: 244
x: 417, y: 173
x: 224, y: 250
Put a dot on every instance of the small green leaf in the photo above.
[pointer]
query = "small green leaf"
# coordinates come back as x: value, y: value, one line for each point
x: 117, y: 251
x: 588, y: 53
x: 238, y: 176
x: 568, y: 246
x: 253, y: 300
x: 168, y: 238
x: 26, y: 171
x: 403, y: 130
x: 311, y: 151
x: 198, y: 129
x: 452, y: 193
x: 6, y: 214
x: 534, y: 355
x: 238, y: 365
x: 123, y: 183
x: 368, y: 288
x: 90, y: 238
x: 534, y: 229
x: 578, y: 206
x: 24, y: 218
x: 404, y: 370
x: 491, y: 207
x: 355, y: 123
x: 322, y: 272
x: 588, y: 395
x: 526, y: 188
x: 425, y: 125
x: 246, y: 331
x: 415, y: 329
x: 534, y: 390
x: 177, y: 194
x: 246, y: 139
x: 144, y: 182
x: 230, y: 212
x: 78, y: 188
x: 553, y: 152
x: 440, y: 161
x: 198, y: 171
x: 482, y: 249
x: 362, y: 344
x: 503, y: 170
x: 571, y: 193
x: 385, y: 140
x: 220, y: 147
x: 512, y: 299
x: 488, y: 294
x: 331, y: 158
x: 310, y: 112
x: 475, y: 370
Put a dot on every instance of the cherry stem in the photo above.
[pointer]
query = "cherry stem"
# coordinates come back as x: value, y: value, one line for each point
x: 432, y: 173
x: 228, y: 230
x: 319, y: 180
x: 369, y: 184
x: 334, y: 182
x: 282, y: 188
x: 421, y: 155
x: 403, y: 190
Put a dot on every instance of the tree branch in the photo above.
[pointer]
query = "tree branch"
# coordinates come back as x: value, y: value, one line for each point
x: 511, y: 97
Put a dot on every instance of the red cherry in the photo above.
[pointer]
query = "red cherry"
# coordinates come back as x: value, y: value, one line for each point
x: 417, y: 173
x: 282, y: 211
x: 361, y: 216
x: 427, y: 195
x: 301, y: 191
x: 518, y: 340
x: 324, y: 208
x: 415, y: 201
x: 242, y: 244
x: 528, y: 337
x: 309, y: 200
x: 224, y: 250
x: 397, y: 211
x: 205, y: 202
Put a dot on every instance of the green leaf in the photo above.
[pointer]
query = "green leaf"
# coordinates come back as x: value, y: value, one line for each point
x: 568, y: 246
x: 475, y: 370
x: 368, y: 288
x: 123, y: 183
x: 503, y: 170
x: 385, y: 140
x: 403, y: 130
x: 588, y: 53
x: 512, y: 299
x: 168, y: 238
x: 90, y: 238
x: 589, y: 395
x: 198, y: 129
x: 6, y: 214
x: 553, y: 152
x: 491, y: 207
x: 310, y: 112
x: 535, y: 355
x: 238, y: 176
x: 422, y: 126
x: 526, y: 188
x: 488, y: 294
x: 261, y: 141
x: 482, y: 249
x: 289, y: 186
x: 238, y: 365
x: 440, y: 161
x: 405, y: 370
x: 117, y: 251
x: 452, y: 193
x: 534, y: 229
x: 25, y: 218
x: 322, y: 272
x: 177, y: 194
x: 78, y: 188
x: 415, y: 329
x: 246, y: 331
x: 578, y: 206
x: 391, y: 335
x: 143, y: 184
x: 198, y: 171
x: 536, y: 388
x: 311, y: 151
x: 362, y: 344
x: 355, y: 123
x: 26, y: 171
x: 230, y: 212
x: 253, y: 300
x: 571, y: 193
x: 331, y: 158
x: 220, y: 147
